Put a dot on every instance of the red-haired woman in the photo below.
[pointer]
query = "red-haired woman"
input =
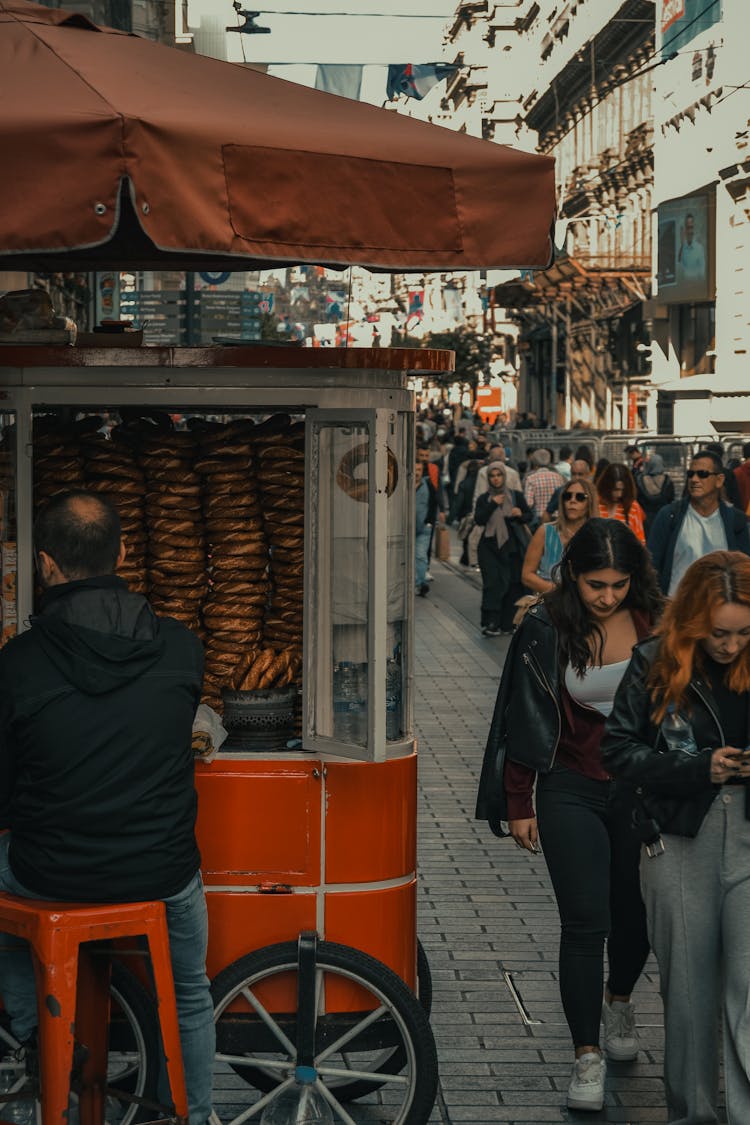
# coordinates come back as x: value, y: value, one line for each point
x: 617, y: 491
x: 695, y: 869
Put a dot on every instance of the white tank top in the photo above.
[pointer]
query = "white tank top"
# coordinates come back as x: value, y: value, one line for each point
x: 598, y: 686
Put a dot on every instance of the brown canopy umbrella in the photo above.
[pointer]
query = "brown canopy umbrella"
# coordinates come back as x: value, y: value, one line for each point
x: 122, y: 151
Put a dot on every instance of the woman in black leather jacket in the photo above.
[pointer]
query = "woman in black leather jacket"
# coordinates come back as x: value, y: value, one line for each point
x: 559, y: 682
x: 697, y: 889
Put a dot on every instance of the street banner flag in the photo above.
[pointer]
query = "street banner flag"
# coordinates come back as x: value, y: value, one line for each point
x: 416, y: 80
x: 344, y: 80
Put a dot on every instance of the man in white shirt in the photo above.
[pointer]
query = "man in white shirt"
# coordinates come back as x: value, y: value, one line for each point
x: 691, y: 257
x: 693, y: 527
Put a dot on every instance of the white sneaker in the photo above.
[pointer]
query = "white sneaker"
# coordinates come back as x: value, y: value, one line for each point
x: 620, y: 1035
x: 586, y: 1089
x: 428, y: 577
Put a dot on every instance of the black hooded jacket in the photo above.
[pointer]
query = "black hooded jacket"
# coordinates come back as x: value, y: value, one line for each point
x: 97, y: 702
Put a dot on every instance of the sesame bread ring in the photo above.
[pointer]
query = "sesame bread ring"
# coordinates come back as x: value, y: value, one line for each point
x: 165, y: 463
x: 166, y: 539
x: 221, y: 526
x: 217, y: 464
x: 174, y: 526
x: 172, y: 488
x: 157, y: 500
x: 173, y: 476
x: 160, y: 576
x: 109, y: 484
x: 281, y: 453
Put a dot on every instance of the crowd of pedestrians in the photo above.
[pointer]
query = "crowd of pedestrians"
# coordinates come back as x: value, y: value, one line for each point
x: 630, y: 663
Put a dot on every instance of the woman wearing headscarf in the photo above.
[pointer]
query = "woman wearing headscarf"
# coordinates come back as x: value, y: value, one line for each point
x: 504, y: 514
x: 655, y: 489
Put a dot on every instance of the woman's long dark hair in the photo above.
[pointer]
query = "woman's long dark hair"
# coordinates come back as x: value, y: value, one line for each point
x: 598, y: 545
x: 617, y: 474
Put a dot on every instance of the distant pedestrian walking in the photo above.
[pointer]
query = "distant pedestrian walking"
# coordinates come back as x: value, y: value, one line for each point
x: 558, y: 685
x: 742, y: 476
x: 616, y: 488
x: 654, y: 489
x: 578, y: 503
x: 503, y: 514
x: 426, y: 506
x: 541, y: 483
x: 696, y: 881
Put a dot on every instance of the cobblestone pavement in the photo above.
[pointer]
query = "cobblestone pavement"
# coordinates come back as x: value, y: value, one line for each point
x: 487, y: 917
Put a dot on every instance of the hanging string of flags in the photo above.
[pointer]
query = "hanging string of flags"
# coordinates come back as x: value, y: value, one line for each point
x: 416, y: 80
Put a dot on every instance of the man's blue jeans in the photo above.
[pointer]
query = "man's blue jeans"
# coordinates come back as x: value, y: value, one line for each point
x: 187, y: 921
x: 421, y: 548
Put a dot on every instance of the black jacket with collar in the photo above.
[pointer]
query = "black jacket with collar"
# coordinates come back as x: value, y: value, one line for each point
x: 675, y: 788
x: 97, y: 701
x: 662, y: 538
x: 526, y: 722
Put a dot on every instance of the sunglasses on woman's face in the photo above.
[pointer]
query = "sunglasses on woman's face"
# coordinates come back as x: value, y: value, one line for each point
x: 580, y: 496
x: 703, y: 474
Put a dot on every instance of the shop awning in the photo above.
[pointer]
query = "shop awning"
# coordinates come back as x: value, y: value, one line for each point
x: 595, y: 293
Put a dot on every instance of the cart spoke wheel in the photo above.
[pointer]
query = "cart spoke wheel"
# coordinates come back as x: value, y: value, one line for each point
x: 132, y: 1064
x: 372, y: 1038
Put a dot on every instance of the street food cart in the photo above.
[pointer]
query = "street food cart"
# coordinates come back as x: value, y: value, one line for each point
x: 316, y: 836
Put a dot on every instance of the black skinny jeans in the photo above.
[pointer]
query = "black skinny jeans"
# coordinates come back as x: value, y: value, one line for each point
x: 592, y: 855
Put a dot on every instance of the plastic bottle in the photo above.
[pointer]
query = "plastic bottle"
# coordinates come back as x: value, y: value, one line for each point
x: 21, y: 1112
x: 300, y: 1104
x: 350, y: 702
x: 677, y: 732
x: 343, y: 694
x: 393, y: 699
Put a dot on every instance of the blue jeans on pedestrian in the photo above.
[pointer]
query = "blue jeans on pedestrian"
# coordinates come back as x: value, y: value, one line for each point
x: 422, y: 546
x: 187, y: 922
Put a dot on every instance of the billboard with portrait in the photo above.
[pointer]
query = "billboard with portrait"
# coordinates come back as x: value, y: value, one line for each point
x: 681, y: 20
x: 685, y: 249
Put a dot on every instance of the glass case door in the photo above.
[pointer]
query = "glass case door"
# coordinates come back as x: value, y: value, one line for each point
x: 359, y: 573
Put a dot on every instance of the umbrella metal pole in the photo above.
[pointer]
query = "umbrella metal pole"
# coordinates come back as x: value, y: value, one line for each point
x: 190, y: 331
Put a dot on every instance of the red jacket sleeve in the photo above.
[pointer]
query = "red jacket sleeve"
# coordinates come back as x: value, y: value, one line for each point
x: 519, y: 785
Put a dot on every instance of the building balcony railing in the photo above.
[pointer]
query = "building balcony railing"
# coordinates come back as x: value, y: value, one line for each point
x: 613, y: 260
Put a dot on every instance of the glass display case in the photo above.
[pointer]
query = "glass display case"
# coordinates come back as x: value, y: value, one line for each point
x: 351, y: 614
x: 359, y: 565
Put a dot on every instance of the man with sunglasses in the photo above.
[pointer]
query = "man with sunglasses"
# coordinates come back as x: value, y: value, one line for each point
x: 698, y: 524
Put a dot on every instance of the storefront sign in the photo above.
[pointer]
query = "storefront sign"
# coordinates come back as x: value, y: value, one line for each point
x: 681, y: 20
x: 686, y: 248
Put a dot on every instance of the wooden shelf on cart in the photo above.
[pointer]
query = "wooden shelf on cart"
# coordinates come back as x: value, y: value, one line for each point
x: 382, y: 359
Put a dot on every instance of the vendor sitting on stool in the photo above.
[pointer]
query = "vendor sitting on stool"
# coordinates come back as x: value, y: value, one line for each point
x: 97, y: 701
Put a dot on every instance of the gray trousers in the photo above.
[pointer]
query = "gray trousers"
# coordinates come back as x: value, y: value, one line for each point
x: 697, y: 897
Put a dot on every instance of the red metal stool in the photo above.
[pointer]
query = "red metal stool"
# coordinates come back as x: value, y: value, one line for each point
x: 73, y: 994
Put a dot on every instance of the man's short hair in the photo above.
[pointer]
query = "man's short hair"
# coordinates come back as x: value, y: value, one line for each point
x: 565, y: 452
x: 81, y: 531
x: 497, y: 452
x: 541, y: 458
x: 746, y: 450
x: 632, y: 449
x: 709, y: 455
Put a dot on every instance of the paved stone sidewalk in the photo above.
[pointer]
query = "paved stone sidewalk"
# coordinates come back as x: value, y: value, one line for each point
x: 487, y: 917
